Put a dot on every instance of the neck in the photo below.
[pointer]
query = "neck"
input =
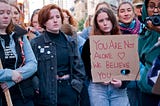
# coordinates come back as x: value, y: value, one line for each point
x: 54, y: 32
x: 3, y: 31
x: 107, y: 33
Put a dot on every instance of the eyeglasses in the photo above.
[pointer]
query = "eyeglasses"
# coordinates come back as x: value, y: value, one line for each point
x: 152, y: 6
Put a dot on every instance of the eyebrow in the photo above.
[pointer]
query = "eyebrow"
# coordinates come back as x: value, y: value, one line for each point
x: 152, y: 2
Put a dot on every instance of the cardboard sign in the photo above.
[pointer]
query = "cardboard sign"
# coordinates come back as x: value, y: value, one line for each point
x: 114, y: 56
x: 156, y: 87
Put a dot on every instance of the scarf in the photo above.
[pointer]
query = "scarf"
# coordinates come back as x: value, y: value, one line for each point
x: 132, y: 28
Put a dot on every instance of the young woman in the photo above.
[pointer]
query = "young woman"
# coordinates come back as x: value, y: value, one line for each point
x: 17, y: 16
x: 18, y: 60
x: 128, y: 21
x: 34, y: 25
x: 34, y: 29
x: 59, y: 70
x: 86, y: 31
x: 69, y: 19
x: 105, y: 93
x: 129, y: 24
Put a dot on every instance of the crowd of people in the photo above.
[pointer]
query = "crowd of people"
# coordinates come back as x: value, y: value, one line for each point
x: 48, y: 63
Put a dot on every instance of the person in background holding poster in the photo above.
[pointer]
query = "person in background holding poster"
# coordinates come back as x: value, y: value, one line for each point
x: 104, y: 93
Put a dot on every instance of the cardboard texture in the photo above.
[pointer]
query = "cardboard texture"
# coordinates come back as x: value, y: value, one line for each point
x: 114, y: 56
x: 156, y: 87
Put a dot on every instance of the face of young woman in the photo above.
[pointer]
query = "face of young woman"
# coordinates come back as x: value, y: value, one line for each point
x: 5, y: 15
x: 104, y: 23
x: 35, y: 23
x: 15, y: 15
x: 54, y: 22
x: 126, y: 13
x: 153, y: 7
x: 66, y: 18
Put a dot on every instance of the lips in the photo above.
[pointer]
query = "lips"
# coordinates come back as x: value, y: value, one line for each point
x: 105, y: 28
x: 5, y: 22
x: 126, y: 18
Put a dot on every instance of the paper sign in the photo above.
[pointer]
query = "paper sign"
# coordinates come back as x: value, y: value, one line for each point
x: 114, y: 56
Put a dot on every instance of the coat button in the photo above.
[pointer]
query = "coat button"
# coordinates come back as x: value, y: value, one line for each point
x: 52, y: 68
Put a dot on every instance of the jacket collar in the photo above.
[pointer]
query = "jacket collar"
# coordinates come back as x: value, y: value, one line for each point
x: 48, y: 40
x: 19, y: 32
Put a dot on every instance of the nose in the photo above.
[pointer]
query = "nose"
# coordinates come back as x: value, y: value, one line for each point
x: 125, y: 13
x: 54, y: 19
x: 105, y: 23
x: 6, y: 15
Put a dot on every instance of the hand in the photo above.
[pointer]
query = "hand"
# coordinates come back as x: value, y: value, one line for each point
x: 116, y: 83
x: 152, y: 27
x: 31, y: 29
x: 16, y: 76
x: 4, y: 86
x: 106, y: 83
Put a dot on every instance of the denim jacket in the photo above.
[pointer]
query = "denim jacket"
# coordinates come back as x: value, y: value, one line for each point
x: 45, y: 52
x: 29, y: 67
x: 27, y: 70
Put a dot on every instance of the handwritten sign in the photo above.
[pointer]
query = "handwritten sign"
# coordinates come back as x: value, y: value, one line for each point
x: 114, y: 56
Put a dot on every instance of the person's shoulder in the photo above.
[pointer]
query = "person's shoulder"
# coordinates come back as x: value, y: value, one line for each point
x: 19, y: 31
x: 38, y: 39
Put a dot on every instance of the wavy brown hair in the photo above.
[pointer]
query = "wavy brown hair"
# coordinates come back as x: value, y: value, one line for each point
x: 35, y: 12
x: 44, y: 14
x: 95, y: 28
x: 72, y: 20
x: 101, y: 3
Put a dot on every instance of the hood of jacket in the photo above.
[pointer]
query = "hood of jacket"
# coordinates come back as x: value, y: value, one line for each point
x: 144, y: 10
x: 19, y: 32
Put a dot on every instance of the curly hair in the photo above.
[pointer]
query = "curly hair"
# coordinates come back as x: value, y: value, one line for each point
x: 72, y: 20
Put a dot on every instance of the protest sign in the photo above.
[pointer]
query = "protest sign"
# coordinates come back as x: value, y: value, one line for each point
x: 114, y: 56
